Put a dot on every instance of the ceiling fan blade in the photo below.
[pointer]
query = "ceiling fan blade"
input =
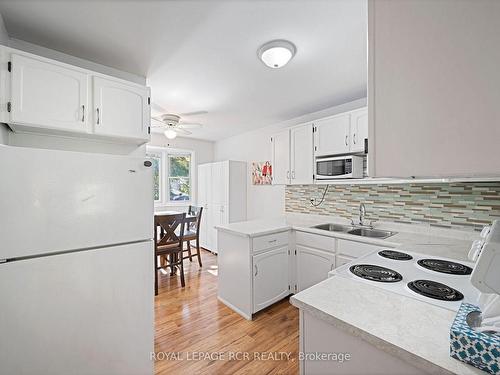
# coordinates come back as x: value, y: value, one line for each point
x: 195, y: 113
x: 157, y: 122
x: 157, y: 108
x: 189, y: 125
x: 182, y: 131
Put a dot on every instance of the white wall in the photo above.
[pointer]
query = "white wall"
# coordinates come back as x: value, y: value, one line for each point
x: 204, y: 153
x: 264, y: 201
x: 434, y: 88
x: 76, y: 61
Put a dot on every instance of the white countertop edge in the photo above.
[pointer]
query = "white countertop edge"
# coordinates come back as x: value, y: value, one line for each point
x: 259, y: 233
x: 387, y: 347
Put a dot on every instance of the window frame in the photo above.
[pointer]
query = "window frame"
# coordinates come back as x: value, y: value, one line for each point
x: 164, y: 176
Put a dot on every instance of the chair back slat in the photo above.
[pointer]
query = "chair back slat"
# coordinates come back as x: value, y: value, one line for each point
x: 196, y: 211
x: 171, y: 229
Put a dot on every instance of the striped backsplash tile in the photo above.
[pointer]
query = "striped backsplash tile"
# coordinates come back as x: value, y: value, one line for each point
x: 467, y: 205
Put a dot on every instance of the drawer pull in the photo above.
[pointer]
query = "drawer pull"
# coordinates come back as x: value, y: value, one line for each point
x: 272, y: 241
x: 256, y: 270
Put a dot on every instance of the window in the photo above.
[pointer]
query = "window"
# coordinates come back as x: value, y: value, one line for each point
x: 171, y: 175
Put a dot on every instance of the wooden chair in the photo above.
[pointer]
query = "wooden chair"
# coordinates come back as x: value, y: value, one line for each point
x: 169, y: 242
x: 193, y: 232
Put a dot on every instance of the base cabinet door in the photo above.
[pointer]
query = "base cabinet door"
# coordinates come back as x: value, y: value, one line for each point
x: 120, y: 109
x: 270, y: 277
x: 46, y: 95
x: 312, y: 266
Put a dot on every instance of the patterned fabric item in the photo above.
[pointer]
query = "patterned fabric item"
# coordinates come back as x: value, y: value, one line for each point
x: 474, y: 348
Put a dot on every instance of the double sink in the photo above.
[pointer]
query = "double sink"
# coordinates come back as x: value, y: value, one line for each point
x: 356, y: 231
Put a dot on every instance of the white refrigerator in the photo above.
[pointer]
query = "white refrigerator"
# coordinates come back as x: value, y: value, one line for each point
x: 76, y: 263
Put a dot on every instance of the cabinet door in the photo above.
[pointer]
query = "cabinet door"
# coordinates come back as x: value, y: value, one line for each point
x: 302, y: 155
x: 219, y: 183
x: 270, y: 277
x: 359, y: 130
x: 47, y: 95
x: 332, y: 135
x: 120, y: 109
x: 281, y: 158
x: 204, y: 194
x: 312, y: 266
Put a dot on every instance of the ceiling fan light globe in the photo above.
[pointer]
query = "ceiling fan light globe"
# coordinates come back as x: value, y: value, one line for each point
x: 170, y: 134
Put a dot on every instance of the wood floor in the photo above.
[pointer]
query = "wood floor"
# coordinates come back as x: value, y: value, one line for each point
x: 192, y: 323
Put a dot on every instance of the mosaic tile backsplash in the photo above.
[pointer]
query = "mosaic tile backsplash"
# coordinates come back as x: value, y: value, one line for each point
x: 465, y: 206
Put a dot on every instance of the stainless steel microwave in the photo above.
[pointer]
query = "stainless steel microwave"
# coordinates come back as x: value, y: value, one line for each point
x: 335, y: 167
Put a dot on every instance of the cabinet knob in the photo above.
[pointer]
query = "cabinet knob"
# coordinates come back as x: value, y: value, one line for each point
x: 148, y: 163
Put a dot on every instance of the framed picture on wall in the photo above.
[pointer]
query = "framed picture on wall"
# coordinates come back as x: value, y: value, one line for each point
x: 262, y: 173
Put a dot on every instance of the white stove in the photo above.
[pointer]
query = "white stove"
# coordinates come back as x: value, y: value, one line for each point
x: 439, y: 281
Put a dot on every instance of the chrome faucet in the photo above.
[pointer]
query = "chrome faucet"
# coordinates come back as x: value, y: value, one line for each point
x: 362, y: 217
x: 362, y: 213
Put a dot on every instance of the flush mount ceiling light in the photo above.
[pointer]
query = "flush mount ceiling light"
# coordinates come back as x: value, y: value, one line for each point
x: 277, y: 53
x: 170, y: 133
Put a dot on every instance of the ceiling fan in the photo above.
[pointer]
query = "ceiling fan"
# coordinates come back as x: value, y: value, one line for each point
x: 173, y: 124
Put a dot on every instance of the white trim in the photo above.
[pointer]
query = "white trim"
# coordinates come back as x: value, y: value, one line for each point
x: 165, y: 151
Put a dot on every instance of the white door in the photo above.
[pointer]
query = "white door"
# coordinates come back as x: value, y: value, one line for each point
x: 281, y: 158
x: 331, y: 136
x: 359, y: 130
x: 48, y: 95
x: 302, y: 155
x: 270, y: 277
x: 120, y: 109
x: 312, y: 266
x: 87, y: 312
x: 219, y: 183
x: 62, y: 200
x: 204, y: 197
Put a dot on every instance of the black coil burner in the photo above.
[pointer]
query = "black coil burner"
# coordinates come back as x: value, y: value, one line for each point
x: 445, y: 266
x: 395, y: 255
x: 433, y: 289
x: 375, y: 273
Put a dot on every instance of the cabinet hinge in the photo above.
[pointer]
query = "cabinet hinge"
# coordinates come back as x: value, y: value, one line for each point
x: 271, y: 139
x: 295, y: 252
x: 289, y: 287
x: 9, y: 106
x: 315, y: 148
x: 9, y: 66
x: 149, y: 100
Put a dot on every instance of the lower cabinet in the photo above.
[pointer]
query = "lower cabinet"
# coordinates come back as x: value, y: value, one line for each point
x: 270, y: 277
x: 312, y: 266
x: 342, y: 259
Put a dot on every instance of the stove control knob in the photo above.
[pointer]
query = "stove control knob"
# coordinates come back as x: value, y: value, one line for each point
x: 475, y: 250
x: 485, y: 231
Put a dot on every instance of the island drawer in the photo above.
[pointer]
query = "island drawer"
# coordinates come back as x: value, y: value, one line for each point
x: 270, y: 241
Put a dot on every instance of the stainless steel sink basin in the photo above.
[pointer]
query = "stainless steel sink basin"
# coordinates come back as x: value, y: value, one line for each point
x: 374, y: 233
x: 334, y: 227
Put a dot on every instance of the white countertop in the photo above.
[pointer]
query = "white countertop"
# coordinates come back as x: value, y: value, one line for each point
x: 409, y: 329
x: 416, y: 332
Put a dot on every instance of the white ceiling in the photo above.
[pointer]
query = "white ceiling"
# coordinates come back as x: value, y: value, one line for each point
x: 202, y: 55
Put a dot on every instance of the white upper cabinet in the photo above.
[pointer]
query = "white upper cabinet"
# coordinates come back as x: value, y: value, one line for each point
x: 359, y: 130
x: 301, y: 155
x: 293, y: 158
x: 48, y: 95
x: 120, y: 109
x: 332, y: 135
x: 281, y: 158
